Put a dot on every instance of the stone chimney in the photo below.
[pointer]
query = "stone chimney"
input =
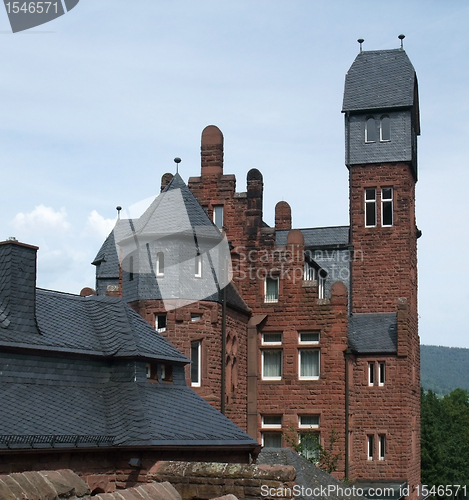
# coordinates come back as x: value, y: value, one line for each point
x: 18, y: 287
x: 211, y: 151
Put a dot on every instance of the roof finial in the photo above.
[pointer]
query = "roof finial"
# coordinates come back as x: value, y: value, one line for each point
x: 360, y: 41
x: 177, y: 161
x: 401, y: 38
x: 118, y: 208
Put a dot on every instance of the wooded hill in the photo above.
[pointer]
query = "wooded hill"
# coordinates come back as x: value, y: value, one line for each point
x: 443, y: 369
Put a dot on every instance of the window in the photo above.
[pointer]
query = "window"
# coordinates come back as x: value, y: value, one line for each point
x: 272, y: 421
x: 308, y: 364
x: 310, y: 445
x: 198, y: 266
x: 272, y: 439
x: 218, y: 216
x: 309, y: 273
x: 308, y: 337
x: 196, y: 354
x: 160, y: 264
x: 271, y: 290
x: 272, y: 364
x: 370, y: 130
x: 371, y: 373
x: 131, y: 268
x: 271, y: 339
x: 167, y: 373
x: 381, y: 446
x: 385, y: 129
x: 152, y: 372
x: 382, y: 373
x: 160, y: 323
x: 322, y: 284
x: 309, y: 421
x: 195, y: 317
x: 386, y: 207
x: 370, y: 446
x: 370, y: 207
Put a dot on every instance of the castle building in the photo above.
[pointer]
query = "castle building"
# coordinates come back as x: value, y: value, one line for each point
x: 317, y: 332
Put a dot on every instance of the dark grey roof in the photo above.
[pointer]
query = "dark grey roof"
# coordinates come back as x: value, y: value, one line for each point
x: 373, y: 332
x: 106, y: 260
x: 96, y: 325
x: 318, y: 236
x: 308, y: 475
x: 379, y: 79
x: 80, y: 402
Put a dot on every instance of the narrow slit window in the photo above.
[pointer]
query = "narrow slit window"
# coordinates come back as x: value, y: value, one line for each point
x: 385, y: 129
x: 382, y: 446
x: 198, y: 266
x: 160, y: 264
x: 131, y: 268
x: 196, y: 355
x: 370, y: 446
x: 371, y: 373
x: 386, y: 207
x: 370, y: 207
x: 370, y: 130
x: 382, y: 373
x: 322, y: 284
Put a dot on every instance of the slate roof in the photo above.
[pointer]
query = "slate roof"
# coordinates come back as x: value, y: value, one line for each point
x: 308, y: 475
x: 379, y: 79
x: 106, y: 260
x: 318, y: 236
x: 95, y: 325
x: 373, y: 332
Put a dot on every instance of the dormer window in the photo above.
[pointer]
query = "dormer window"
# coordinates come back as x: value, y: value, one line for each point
x: 370, y: 130
x: 160, y: 264
x: 198, y: 266
x: 385, y: 129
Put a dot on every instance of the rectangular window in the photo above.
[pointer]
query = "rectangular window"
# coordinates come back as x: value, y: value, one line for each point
x: 198, y: 266
x: 309, y: 273
x: 272, y: 364
x: 370, y: 207
x: 309, y: 364
x: 160, y: 264
x: 371, y: 373
x: 370, y: 446
x: 322, y: 284
x: 382, y: 373
x: 386, y: 207
x: 309, y: 421
x: 308, y: 337
x: 271, y: 338
x: 196, y: 358
x: 218, y: 216
x: 310, y: 445
x: 195, y: 317
x: 152, y: 371
x: 160, y: 323
x: 167, y: 373
x: 381, y: 446
x: 272, y: 421
x: 271, y: 290
x: 272, y: 439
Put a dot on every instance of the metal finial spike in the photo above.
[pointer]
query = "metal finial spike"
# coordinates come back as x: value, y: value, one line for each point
x: 401, y: 38
x: 177, y: 161
x: 360, y: 41
x: 118, y: 208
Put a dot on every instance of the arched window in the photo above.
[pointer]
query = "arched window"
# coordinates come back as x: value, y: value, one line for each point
x: 370, y: 130
x: 385, y: 129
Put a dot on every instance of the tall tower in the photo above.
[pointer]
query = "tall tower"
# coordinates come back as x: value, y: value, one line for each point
x: 381, y: 127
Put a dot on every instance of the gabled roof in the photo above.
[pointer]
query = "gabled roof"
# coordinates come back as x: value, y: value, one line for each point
x: 380, y: 79
x: 95, y: 325
x: 318, y: 236
x: 373, y: 332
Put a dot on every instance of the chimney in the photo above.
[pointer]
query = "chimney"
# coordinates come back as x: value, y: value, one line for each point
x: 18, y: 287
x: 211, y: 151
x: 282, y: 215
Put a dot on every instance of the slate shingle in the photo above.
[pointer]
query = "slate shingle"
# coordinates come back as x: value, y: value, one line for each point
x: 373, y: 332
x: 318, y: 236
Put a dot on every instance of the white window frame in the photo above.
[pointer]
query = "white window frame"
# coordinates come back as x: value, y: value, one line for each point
x: 275, y: 299
x: 302, y: 425
x: 265, y: 340
x: 374, y: 202
x: 366, y: 130
x: 159, y: 261
x: 221, y: 210
x: 276, y: 433
x: 162, y: 329
x: 309, y: 272
x: 321, y: 285
x: 198, y: 266
x: 370, y: 446
x: 387, y: 200
x: 381, y: 373
x: 271, y: 426
x: 309, y: 377
x: 381, y: 129
x: 382, y: 447
x: 264, y: 377
x: 371, y: 373
x: 199, y: 363
x: 308, y: 342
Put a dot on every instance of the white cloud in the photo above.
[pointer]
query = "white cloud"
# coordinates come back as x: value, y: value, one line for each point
x: 41, y: 219
x: 98, y: 225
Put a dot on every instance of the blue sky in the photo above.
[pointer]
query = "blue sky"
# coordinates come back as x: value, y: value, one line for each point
x: 95, y: 105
